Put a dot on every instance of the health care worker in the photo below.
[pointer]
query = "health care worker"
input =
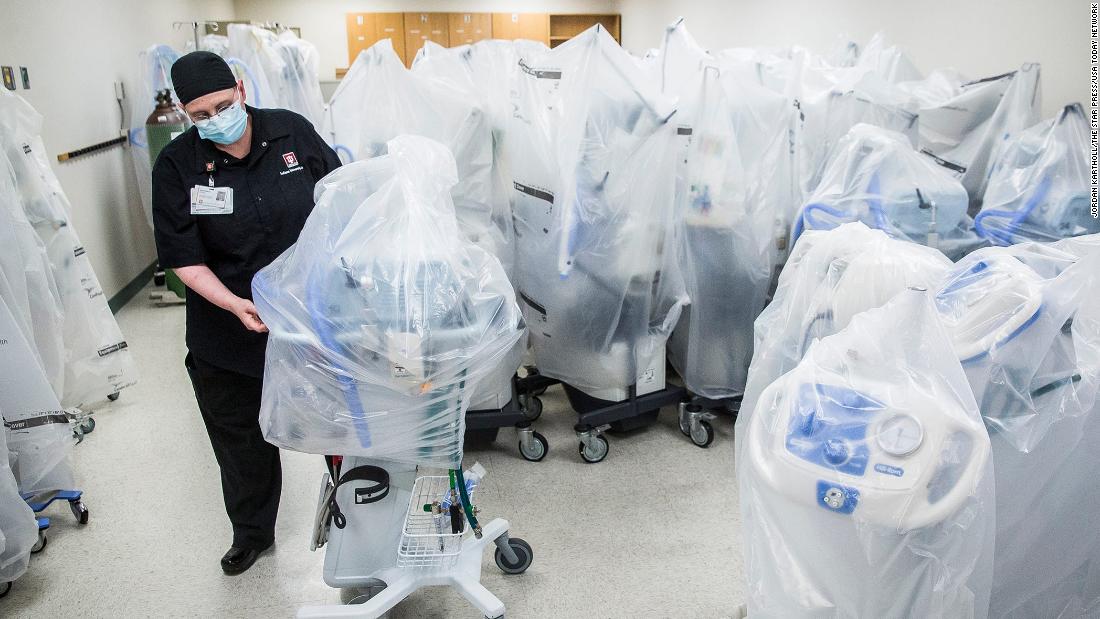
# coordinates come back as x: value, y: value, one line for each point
x: 229, y: 195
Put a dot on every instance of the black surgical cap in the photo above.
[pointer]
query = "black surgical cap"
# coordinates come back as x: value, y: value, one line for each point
x: 200, y: 73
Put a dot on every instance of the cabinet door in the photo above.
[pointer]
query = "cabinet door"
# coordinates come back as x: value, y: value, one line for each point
x: 420, y: 27
x: 535, y: 26
x: 360, y: 34
x: 469, y: 28
x: 391, y: 26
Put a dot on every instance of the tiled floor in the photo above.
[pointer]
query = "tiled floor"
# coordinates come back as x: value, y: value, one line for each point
x: 650, y: 532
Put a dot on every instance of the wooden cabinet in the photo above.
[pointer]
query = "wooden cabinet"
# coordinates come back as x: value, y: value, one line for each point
x: 565, y: 27
x: 466, y: 28
x: 420, y: 27
x: 408, y: 31
x: 533, y: 26
x: 366, y: 29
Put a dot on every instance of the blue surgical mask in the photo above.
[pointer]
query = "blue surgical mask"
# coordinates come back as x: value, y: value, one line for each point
x: 226, y: 126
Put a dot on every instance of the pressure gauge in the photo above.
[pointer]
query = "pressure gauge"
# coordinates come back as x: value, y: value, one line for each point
x: 900, y: 435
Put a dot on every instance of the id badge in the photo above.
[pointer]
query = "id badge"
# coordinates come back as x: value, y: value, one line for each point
x: 211, y: 200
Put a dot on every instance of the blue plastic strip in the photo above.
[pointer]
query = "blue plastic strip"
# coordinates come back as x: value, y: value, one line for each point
x: 347, y: 385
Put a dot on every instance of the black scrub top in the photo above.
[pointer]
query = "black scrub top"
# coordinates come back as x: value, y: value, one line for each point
x: 272, y: 197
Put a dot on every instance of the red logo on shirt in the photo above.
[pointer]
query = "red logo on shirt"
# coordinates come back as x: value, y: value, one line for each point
x: 290, y: 159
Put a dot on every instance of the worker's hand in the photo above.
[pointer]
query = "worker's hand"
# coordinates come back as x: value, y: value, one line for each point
x: 245, y: 310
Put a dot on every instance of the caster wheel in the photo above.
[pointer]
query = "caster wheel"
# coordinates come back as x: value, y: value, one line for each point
x: 113, y: 396
x: 4, y: 588
x: 80, y: 510
x: 87, y: 426
x: 78, y: 434
x: 702, y: 434
x: 685, y: 426
x: 524, y: 555
x: 158, y: 278
x: 536, y: 450
x: 40, y: 545
x: 532, y: 407
x: 597, y: 452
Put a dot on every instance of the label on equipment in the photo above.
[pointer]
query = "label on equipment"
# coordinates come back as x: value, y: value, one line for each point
x: 103, y: 352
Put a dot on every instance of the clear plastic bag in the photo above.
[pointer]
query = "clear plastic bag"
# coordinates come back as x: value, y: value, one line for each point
x: 280, y: 70
x: 833, y: 101
x: 1025, y: 322
x: 831, y: 277
x: 97, y: 362
x: 876, y: 177
x: 18, y: 526
x: 965, y: 124
x: 1038, y: 189
x: 734, y: 182
x: 383, y: 317
x: 37, y: 429
x: 155, y: 71
x: 27, y: 284
x: 866, y: 485
x: 380, y: 99
x: 592, y: 151
x: 448, y: 97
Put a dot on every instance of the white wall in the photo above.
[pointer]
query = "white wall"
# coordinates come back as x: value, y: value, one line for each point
x: 75, y: 50
x: 977, y: 37
x: 322, y: 21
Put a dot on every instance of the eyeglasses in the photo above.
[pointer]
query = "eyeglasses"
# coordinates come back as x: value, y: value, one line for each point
x: 203, y: 116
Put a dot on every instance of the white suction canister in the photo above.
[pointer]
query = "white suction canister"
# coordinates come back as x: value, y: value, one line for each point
x: 865, y: 477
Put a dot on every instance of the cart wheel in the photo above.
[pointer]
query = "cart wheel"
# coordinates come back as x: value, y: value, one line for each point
x: 532, y: 407
x: 685, y: 426
x: 536, y: 450
x: 597, y: 452
x: 524, y: 555
x: 158, y: 278
x: 40, y: 545
x: 4, y: 588
x: 78, y: 434
x: 113, y: 396
x: 702, y: 434
x: 80, y: 510
x: 87, y: 426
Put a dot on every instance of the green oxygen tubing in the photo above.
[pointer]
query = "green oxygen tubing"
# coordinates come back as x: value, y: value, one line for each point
x: 458, y: 480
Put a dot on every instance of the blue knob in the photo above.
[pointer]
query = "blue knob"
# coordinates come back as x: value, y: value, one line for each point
x: 836, y: 451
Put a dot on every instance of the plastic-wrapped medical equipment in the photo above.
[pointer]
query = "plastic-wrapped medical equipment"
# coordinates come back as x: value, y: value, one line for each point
x: 382, y: 317
x: 866, y: 485
x: 888, y: 61
x: 592, y: 151
x: 965, y: 124
x: 733, y: 183
x: 1038, y: 189
x: 441, y: 99
x: 380, y: 99
x: 831, y: 277
x: 876, y: 177
x: 96, y: 360
x: 27, y: 282
x: 18, y: 526
x: 833, y: 101
x: 38, y: 432
x: 281, y: 70
x: 1025, y: 324
x: 155, y: 65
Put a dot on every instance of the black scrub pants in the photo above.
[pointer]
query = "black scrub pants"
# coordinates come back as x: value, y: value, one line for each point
x: 252, y: 476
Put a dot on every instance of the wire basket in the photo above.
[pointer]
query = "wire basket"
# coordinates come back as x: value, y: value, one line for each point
x: 426, y: 540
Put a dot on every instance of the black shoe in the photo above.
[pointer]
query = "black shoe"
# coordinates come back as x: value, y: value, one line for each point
x: 238, y: 560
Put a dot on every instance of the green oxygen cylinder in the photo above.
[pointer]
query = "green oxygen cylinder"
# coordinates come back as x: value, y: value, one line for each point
x: 164, y: 124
